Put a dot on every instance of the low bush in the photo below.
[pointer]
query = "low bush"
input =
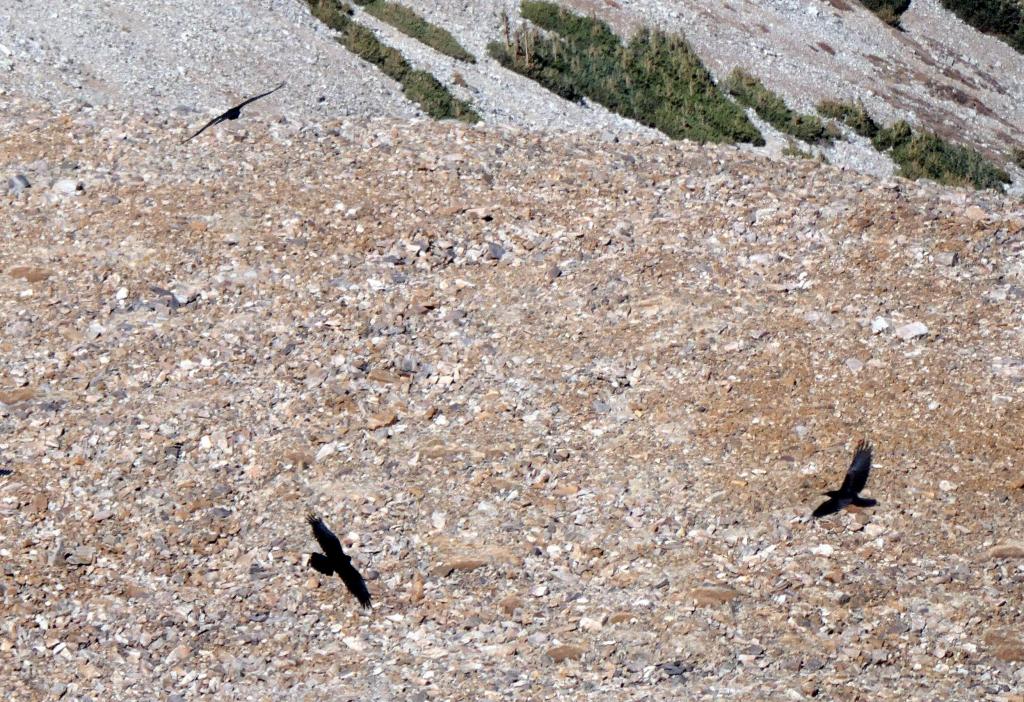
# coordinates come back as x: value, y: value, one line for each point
x: 655, y: 78
x: 854, y: 115
x: 408, y: 22
x: 750, y: 91
x: 1018, y: 157
x: 888, y: 11
x: 927, y: 155
x: 1002, y: 18
x: 419, y: 86
x: 792, y: 148
x: 331, y: 12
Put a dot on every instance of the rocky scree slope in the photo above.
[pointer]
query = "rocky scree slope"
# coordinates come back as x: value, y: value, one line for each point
x: 189, y: 58
x: 569, y: 405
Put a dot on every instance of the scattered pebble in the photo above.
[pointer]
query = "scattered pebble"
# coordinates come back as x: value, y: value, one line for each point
x: 912, y: 330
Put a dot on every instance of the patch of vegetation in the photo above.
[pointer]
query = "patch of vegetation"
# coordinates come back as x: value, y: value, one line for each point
x: 929, y: 156
x: 419, y: 86
x: 408, y: 22
x: 793, y: 149
x: 1018, y: 157
x: 655, y: 78
x: 853, y: 115
x: 331, y: 12
x: 888, y: 11
x: 1001, y: 18
x: 750, y: 91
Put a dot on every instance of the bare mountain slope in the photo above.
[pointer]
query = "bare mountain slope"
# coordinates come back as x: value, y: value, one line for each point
x: 568, y: 404
x: 939, y: 73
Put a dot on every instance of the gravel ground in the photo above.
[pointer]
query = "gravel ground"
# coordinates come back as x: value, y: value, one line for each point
x: 189, y: 55
x: 196, y: 56
x: 568, y: 403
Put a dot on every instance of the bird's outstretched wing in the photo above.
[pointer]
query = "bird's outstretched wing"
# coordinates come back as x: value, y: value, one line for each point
x: 233, y: 112
x: 355, y: 583
x: 829, y: 506
x: 329, y: 543
x: 321, y: 563
x: 240, y: 105
x: 857, y: 475
x: 216, y: 120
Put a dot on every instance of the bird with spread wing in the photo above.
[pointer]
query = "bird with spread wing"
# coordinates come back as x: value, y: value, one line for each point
x: 849, y: 491
x: 335, y: 560
x: 234, y: 113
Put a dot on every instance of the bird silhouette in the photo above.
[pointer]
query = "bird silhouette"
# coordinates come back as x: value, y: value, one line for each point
x: 334, y: 560
x: 234, y: 113
x: 856, y: 478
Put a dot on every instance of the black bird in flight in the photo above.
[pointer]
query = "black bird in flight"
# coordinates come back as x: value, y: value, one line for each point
x: 856, y: 478
x: 234, y: 113
x: 334, y: 560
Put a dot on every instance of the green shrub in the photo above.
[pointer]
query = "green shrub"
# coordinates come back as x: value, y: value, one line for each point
x: 929, y: 156
x: 331, y: 12
x: 1018, y: 157
x: 408, y: 22
x: 750, y: 91
x: 888, y: 11
x: 588, y: 31
x: 1002, y: 18
x: 655, y: 79
x: 434, y: 98
x: 419, y: 86
x: 364, y: 43
x: 855, y: 116
x: 792, y: 149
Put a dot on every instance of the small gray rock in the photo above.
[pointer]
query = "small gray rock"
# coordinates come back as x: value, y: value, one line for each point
x: 911, y: 330
x: 495, y: 251
x: 762, y: 259
x: 18, y: 184
x: 675, y: 668
x: 879, y: 325
x: 94, y: 331
x: 83, y: 555
x: 947, y: 258
x: 854, y: 364
x: 408, y: 364
x: 67, y: 186
x: 813, y: 663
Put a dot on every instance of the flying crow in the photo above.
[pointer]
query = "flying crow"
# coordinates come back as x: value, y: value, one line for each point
x: 856, y: 478
x: 234, y: 113
x: 334, y: 560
